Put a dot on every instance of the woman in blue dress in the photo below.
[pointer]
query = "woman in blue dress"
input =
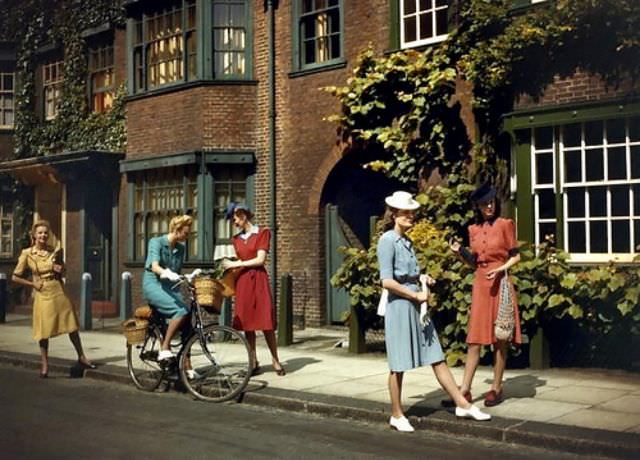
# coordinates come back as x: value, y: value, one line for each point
x: 161, y: 271
x: 409, y: 343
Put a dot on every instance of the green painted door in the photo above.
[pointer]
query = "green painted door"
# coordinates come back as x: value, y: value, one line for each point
x: 337, y: 300
x: 98, y: 243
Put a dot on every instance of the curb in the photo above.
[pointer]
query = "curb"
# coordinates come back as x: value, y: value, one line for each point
x: 550, y: 436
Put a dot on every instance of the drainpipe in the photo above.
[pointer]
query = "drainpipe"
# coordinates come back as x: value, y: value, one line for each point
x: 271, y: 5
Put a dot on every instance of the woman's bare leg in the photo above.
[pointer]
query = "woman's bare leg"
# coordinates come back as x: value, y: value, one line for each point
x: 395, y: 392
x: 251, y: 339
x: 499, y: 364
x: 270, y: 338
x: 44, y: 356
x: 473, y: 358
x: 448, y: 384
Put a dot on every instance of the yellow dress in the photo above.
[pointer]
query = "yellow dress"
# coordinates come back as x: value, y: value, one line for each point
x: 53, y: 313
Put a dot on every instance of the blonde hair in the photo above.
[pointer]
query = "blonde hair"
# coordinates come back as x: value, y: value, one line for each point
x: 178, y: 222
x: 36, y: 224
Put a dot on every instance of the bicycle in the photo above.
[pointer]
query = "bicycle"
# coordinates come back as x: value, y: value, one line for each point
x: 219, y: 356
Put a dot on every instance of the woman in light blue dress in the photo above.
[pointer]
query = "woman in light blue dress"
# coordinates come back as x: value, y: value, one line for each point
x: 409, y: 343
x: 161, y: 272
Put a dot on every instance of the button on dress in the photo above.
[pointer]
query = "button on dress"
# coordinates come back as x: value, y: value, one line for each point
x: 53, y: 313
x: 169, y: 302
x: 491, y: 243
x: 409, y: 344
x: 254, y: 310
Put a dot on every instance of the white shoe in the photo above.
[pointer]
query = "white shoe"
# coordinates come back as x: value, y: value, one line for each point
x: 473, y: 412
x: 165, y: 354
x: 192, y: 375
x: 401, y: 424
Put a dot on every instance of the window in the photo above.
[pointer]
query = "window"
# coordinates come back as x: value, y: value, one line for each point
x: 423, y: 22
x: 6, y: 99
x: 52, y: 83
x: 319, y: 24
x: 230, y: 184
x: 6, y: 230
x: 164, y: 46
x: 595, y: 167
x: 160, y: 194
x: 101, y: 78
x: 229, y: 38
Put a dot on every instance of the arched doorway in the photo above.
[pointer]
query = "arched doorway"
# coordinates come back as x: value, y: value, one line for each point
x: 352, y: 198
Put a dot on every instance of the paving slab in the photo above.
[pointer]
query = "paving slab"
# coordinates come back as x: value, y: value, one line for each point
x: 601, y: 419
x: 581, y: 394
x: 628, y: 403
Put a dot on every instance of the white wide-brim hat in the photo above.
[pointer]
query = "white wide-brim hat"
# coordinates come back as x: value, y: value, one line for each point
x: 402, y: 200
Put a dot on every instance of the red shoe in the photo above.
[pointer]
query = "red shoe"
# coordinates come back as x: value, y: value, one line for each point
x: 492, y: 398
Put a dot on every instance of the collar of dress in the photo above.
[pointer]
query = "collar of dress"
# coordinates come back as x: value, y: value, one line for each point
x: 165, y: 242
x: 246, y: 235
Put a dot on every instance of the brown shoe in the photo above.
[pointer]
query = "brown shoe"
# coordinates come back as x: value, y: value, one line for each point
x: 492, y: 398
x: 450, y: 403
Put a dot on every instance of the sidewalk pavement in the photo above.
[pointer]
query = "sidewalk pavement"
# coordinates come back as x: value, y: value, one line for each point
x: 578, y: 410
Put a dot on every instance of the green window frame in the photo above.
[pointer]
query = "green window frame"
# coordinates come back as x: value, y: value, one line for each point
x: 6, y: 230
x: 52, y: 79
x: 187, y: 41
x: 199, y: 184
x: 578, y: 178
x: 318, y: 33
x: 7, y: 91
x: 101, y: 78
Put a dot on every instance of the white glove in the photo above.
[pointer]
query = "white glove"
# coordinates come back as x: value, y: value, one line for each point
x: 168, y: 274
x: 193, y: 274
x: 424, y: 314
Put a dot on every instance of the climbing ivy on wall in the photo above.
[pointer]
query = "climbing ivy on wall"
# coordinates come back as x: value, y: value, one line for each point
x: 36, y: 23
x: 439, y: 110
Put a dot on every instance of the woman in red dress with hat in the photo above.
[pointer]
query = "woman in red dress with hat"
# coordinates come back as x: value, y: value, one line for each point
x: 493, y: 250
x: 254, y: 310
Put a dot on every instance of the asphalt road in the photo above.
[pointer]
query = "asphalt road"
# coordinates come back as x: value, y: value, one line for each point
x: 62, y: 418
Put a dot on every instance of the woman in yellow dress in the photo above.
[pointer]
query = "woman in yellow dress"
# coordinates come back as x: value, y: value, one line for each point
x: 53, y: 313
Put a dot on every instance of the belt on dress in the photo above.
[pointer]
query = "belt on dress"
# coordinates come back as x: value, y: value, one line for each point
x: 404, y: 279
x: 47, y: 276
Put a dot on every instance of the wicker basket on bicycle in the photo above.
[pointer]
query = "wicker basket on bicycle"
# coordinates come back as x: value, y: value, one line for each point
x: 134, y: 330
x: 208, y: 293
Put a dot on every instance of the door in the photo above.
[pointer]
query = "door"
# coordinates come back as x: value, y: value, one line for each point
x: 338, y: 301
x: 98, y: 243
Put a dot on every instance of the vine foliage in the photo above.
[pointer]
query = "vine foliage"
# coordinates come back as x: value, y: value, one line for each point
x: 438, y: 113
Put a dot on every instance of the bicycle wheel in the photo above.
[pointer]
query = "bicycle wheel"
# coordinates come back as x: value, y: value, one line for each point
x: 142, y: 361
x: 221, y: 360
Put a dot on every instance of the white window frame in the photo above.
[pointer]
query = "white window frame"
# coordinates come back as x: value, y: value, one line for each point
x: 7, y: 95
x: 4, y: 218
x: 425, y: 41
x: 564, y: 186
x: 52, y: 88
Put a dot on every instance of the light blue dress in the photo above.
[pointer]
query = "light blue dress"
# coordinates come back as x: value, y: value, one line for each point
x: 157, y: 292
x: 409, y: 344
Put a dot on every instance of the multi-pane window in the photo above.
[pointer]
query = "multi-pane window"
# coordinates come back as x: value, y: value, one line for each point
x: 165, y: 44
x: 229, y: 38
x: 6, y: 99
x: 6, y: 230
x: 595, y: 166
x: 52, y: 77
x: 159, y: 195
x: 319, y: 26
x: 230, y: 184
x: 101, y: 78
x: 423, y: 22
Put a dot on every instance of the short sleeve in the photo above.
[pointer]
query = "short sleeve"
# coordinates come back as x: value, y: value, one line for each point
x: 385, y: 253
x: 22, y: 264
x: 264, y: 240
x: 153, y: 252
x: 510, y: 235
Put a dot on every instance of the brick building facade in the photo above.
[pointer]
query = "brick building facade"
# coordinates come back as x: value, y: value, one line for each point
x: 198, y: 120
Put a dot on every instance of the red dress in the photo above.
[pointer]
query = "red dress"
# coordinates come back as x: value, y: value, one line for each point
x: 254, y: 305
x: 490, y: 242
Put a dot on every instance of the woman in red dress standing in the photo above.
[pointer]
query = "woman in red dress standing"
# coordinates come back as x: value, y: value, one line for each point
x: 493, y: 249
x: 254, y: 310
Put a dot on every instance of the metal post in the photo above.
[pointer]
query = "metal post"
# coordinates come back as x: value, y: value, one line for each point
x: 86, y: 318
x: 225, y: 312
x: 125, y: 296
x: 4, y: 298
x: 285, y: 312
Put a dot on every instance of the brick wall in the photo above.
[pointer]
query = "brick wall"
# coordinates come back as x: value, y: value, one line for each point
x: 578, y: 88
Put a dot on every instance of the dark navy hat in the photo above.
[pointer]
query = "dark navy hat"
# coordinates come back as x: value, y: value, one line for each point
x: 484, y: 193
x: 232, y: 207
